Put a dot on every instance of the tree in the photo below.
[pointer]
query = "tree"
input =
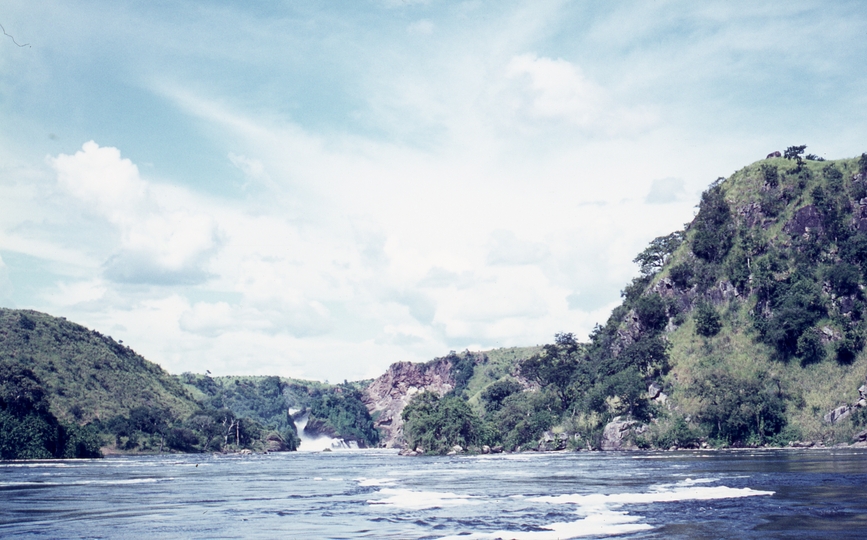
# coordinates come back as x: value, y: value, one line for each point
x: 655, y: 255
x: 713, y: 227
x: 794, y: 152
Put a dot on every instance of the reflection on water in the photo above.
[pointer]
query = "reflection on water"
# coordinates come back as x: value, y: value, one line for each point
x: 377, y: 494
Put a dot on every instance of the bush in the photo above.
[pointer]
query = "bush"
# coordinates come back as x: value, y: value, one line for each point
x: 713, y: 227
x: 707, y: 320
x: 681, y: 275
x: 844, y: 279
x: 847, y: 349
x: 652, y: 312
x: 737, y: 410
x: 494, y: 394
x: 770, y: 175
x: 436, y: 424
x: 810, y: 347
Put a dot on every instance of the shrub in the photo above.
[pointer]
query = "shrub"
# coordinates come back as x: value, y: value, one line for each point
x: 494, y: 394
x: 770, y: 175
x: 810, y: 347
x: 713, y: 226
x: 681, y: 275
x: 844, y: 279
x: 652, y: 312
x: 436, y: 424
x: 707, y: 320
x: 737, y: 410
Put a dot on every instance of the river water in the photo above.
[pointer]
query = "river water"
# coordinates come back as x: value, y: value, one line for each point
x: 377, y: 494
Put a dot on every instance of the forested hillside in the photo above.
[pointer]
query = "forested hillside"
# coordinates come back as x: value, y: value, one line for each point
x: 746, y: 328
x: 66, y: 391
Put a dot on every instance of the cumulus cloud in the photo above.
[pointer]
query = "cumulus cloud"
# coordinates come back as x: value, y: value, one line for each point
x: 557, y: 90
x: 160, y: 243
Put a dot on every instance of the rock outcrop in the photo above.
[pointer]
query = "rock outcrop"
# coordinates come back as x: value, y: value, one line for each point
x: 619, y: 434
x: 387, y: 396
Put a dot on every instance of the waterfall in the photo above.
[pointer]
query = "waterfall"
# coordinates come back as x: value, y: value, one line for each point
x: 320, y: 443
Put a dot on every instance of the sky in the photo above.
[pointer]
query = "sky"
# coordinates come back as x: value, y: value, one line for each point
x: 320, y: 189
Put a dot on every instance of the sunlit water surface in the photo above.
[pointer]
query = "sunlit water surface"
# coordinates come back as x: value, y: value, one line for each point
x: 377, y: 494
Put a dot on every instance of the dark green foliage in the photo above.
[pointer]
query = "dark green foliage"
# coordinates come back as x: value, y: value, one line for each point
x: 770, y: 175
x: 652, y: 312
x: 635, y: 289
x: 628, y: 386
x: 844, y: 279
x: 437, y: 424
x: 28, y: 429
x: 658, y: 252
x: 813, y: 157
x: 795, y: 305
x: 557, y: 365
x: 862, y: 164
x: 740, y: 410
x: 342, y: 410
x: 523, y: 418
x: 681, y: 275
x: 648, y: 354
x: 707, y: 320
x: 810, y: 349
x: 848, y: 348
x: 795, y: 152
x: 678, y: 434
x: 713, y: 227
x: 494, y: 394
x: 462, y: 370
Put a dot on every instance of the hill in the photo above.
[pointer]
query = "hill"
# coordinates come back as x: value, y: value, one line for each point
x: 86, y: 375
x: 746, y: 328
x: 67, y: 391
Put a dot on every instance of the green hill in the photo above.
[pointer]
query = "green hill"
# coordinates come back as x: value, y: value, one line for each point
x: 86, y: 375
x: 746, y: 328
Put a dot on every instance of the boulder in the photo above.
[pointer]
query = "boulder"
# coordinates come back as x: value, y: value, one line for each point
x: 616, y: 435
x: 653, y: 391
x: 275, y: 443
x: 498, y: 449
x: 860, y: 436
x: 838, y: 414
x: 486, y: 449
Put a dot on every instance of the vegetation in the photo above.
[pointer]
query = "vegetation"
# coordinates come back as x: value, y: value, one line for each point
x: 763, y: 292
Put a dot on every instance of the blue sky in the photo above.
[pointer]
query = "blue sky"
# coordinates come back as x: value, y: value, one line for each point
x: 318, y: 189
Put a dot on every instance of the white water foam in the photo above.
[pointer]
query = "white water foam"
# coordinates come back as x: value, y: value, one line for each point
x: 420, y: 500
x: 318, y: 444
x: 601, y: 519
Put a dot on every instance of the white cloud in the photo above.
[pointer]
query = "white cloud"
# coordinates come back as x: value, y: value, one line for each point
x: 666, y: 190
x: 160, y: 241
x: 558, y: 90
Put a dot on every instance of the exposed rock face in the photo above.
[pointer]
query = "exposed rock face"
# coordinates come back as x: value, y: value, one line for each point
x: 806, y: 219
x: 275, y: 443
x: 387, y: 396
x: 838, y: 414
x: 617, y: 434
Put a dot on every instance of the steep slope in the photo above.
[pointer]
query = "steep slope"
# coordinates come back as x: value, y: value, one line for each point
x: 86, y: 376
x: 466, y: 374
x: 746, y: 328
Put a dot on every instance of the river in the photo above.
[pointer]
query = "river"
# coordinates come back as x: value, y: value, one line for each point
x: 377, y: 494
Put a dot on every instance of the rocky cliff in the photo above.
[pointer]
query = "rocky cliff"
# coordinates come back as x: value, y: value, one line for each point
x: 387, y: 396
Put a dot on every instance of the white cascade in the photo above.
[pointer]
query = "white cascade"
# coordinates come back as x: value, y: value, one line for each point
x: 323, y: 442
